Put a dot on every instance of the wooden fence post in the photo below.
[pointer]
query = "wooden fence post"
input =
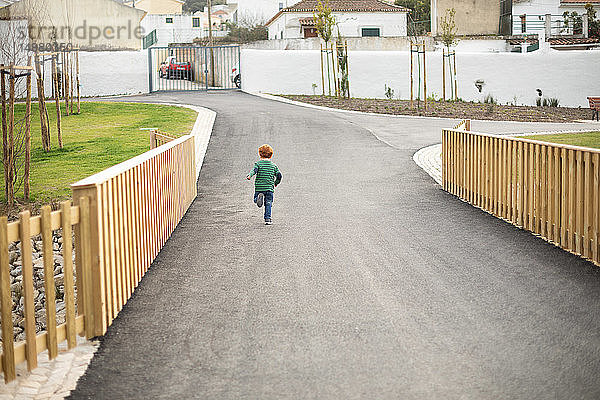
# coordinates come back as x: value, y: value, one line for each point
x: 90, y: 260
x: 6, y: 304
x: 152, y: 139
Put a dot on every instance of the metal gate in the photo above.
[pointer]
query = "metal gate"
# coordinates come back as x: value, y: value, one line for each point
x: 194, y: 68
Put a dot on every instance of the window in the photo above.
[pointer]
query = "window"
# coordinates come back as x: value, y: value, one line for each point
x: 196, y: 22
x: 169, y: 20
x: 280, y: 6
x: 370, y: 32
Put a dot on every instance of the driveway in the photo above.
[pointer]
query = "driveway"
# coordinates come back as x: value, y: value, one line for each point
x: 373, y: 283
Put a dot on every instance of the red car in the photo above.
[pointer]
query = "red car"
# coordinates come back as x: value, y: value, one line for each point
x: 173, y: 69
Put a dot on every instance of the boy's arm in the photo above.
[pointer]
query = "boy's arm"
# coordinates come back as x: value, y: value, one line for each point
x: 253, y: 172
x: 278, y: 176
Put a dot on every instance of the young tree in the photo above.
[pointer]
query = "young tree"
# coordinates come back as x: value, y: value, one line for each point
x: 324, y: 21
x: 593, y: 23
x: 420, y: 15
x: 448, y: 28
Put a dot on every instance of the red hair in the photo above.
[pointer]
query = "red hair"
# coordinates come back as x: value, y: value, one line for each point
x: 265, y: 151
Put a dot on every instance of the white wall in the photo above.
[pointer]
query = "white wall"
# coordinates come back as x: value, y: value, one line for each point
x: 259, y: 11
x: 108, y: 73
x: 390, y: 24
x: 180, y: 31
x: 570, y: 76
x: 542, y: 7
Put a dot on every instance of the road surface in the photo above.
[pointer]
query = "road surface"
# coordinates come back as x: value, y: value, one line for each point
x: 372, y: 283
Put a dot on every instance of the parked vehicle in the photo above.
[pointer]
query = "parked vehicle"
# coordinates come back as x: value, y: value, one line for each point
x: 236, y: 78
x: 173, y: 69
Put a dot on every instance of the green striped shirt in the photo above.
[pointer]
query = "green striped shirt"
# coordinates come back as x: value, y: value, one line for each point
x: 266, y: 175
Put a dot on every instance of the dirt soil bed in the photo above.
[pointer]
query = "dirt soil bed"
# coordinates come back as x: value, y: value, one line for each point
x: 460, y: 110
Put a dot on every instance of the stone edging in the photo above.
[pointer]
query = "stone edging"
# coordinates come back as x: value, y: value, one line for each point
x: 430, y: 159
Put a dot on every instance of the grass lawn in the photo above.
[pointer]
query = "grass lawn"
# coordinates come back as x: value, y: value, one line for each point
x: 585, y: 139
x: 104, y: 134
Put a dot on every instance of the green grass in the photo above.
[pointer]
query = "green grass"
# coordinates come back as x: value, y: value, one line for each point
x: 104, y: 134
x: 585, y: 139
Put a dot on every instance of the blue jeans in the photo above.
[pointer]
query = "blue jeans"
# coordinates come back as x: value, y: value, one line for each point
x: 268, y: 203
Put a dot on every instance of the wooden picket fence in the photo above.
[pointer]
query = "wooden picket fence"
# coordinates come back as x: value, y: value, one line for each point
x: 23, y: 230
x: 158, y: 138
x: 121, y: 218
x: 552, y: 190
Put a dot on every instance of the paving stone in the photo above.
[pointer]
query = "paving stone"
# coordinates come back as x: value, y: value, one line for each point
x: 27, y: 390
x: 52, y: 379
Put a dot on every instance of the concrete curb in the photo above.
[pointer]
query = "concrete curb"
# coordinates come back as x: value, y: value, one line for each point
x: 430, y: 159
x: 201, y: 131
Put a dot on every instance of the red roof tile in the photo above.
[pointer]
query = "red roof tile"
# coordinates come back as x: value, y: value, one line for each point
x: 342, y: 6
x: 572, y: 41
x: 348, y: 5
x: 307, y: 21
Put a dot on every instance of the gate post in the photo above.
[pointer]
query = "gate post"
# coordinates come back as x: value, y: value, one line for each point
x: 89, y: 259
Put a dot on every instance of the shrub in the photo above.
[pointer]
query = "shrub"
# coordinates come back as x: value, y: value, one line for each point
x: 547, y: 102
x: 490, y: 99
x: 389, y: 92
x: 245, y: 33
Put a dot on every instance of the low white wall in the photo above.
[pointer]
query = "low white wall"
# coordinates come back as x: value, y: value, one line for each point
x: 107, y: 73
x: 569, y: 76
x: 354, y: 43
x: 112, y: 73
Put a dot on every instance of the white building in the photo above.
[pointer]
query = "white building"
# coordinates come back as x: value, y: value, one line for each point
x: 358, y: 18
x: 258, y: 11
x: 161, y: 30
x: 530, y: 16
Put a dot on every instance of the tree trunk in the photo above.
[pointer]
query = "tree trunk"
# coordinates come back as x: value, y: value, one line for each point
x: 27, y: 136
x: 78, y: 94
x: 4, y: 131
x: 57, y: 98
x: 71, y: 77
x: 10, y: 181
x: 65, y: 70
x: 44, y: 128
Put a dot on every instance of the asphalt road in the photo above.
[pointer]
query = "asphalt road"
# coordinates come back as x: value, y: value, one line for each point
x: 372, y: 283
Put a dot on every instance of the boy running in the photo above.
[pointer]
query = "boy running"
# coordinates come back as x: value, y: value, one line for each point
x: 267, y: 177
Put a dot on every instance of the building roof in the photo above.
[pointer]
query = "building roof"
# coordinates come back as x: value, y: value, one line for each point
x: 562, y: 41
x: 348, y: 6
x: 572, y: 41
x: 307, y: 21
x: 343, y: 6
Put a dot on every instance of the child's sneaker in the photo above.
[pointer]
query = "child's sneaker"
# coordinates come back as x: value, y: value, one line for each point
x: 268, y: 221
x: 260, y: 199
